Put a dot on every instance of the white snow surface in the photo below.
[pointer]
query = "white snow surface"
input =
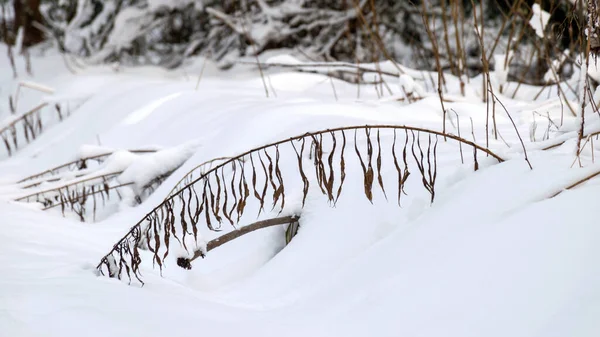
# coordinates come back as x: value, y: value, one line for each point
x: 492, y: 256
x: 170, y: 4
x: 539, y: 20
x: 502, y: 67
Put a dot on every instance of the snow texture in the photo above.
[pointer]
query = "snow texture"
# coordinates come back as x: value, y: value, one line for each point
x: 539, y: 20
x: 502, y: 65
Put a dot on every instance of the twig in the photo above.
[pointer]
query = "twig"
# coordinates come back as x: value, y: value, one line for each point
x: 591, y: 176
x: 516, y: 129
x: 223, y: 239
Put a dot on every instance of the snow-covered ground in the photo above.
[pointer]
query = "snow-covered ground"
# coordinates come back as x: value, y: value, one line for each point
x: 494, y: 255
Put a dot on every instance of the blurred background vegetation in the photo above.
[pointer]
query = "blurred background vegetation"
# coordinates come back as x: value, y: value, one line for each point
x: 455, y: 36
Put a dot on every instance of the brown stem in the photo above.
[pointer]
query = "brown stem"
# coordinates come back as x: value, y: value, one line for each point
x: 68, y: 185
x: 589, y: 177
x: 99, y: 158
x: 116, y: 187
x: 223, y: 239
x: 515, y: 127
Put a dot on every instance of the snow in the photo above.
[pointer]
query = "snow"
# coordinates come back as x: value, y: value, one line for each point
x: 501, y: 69
x: 127, y: 27
x: 90, y: 150
x: 410, y: 87
x: 594, y: 70
x: 539, y: 20
x: 142, y: 171
x: 153, y: 5
x: 407, y: 83
x: 283, y: 59
x: 145, y: 111
x: 494, y: 255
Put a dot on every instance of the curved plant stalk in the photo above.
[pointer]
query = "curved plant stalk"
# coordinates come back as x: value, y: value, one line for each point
x: 189, y: 177
x: 222, y: 193
x: 186, y: 263
x: 577, y: 183
x: 515, y: 127
x: 33, y: 86
x: 38, y: 195
x: 92, y: 192
x: 75, y: 195
x: 77, y: 202
x: 151, y: 186
x: 79, y: 164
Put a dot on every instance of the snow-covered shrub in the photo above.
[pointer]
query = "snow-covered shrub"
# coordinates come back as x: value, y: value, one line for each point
x: 166, y: 32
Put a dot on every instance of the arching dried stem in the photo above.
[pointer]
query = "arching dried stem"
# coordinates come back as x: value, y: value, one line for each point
x: 212, y: 198
x: 79, y: 164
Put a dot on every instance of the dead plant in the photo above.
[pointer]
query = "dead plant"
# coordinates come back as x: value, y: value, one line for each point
x: 77, y: 165
x: 223, y: 193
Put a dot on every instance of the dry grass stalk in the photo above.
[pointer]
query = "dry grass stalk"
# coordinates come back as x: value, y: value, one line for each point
x: 516, y: 129
x: 225, y: 238
x: 31, y: 125
x: 591, y: 22
x: 74, y: 196
x: 77, y: 165
x: 82, y: 194
x: 577, y: 183
x: 92, y: 192
x: 196, y: 171
x: 441, y: 81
